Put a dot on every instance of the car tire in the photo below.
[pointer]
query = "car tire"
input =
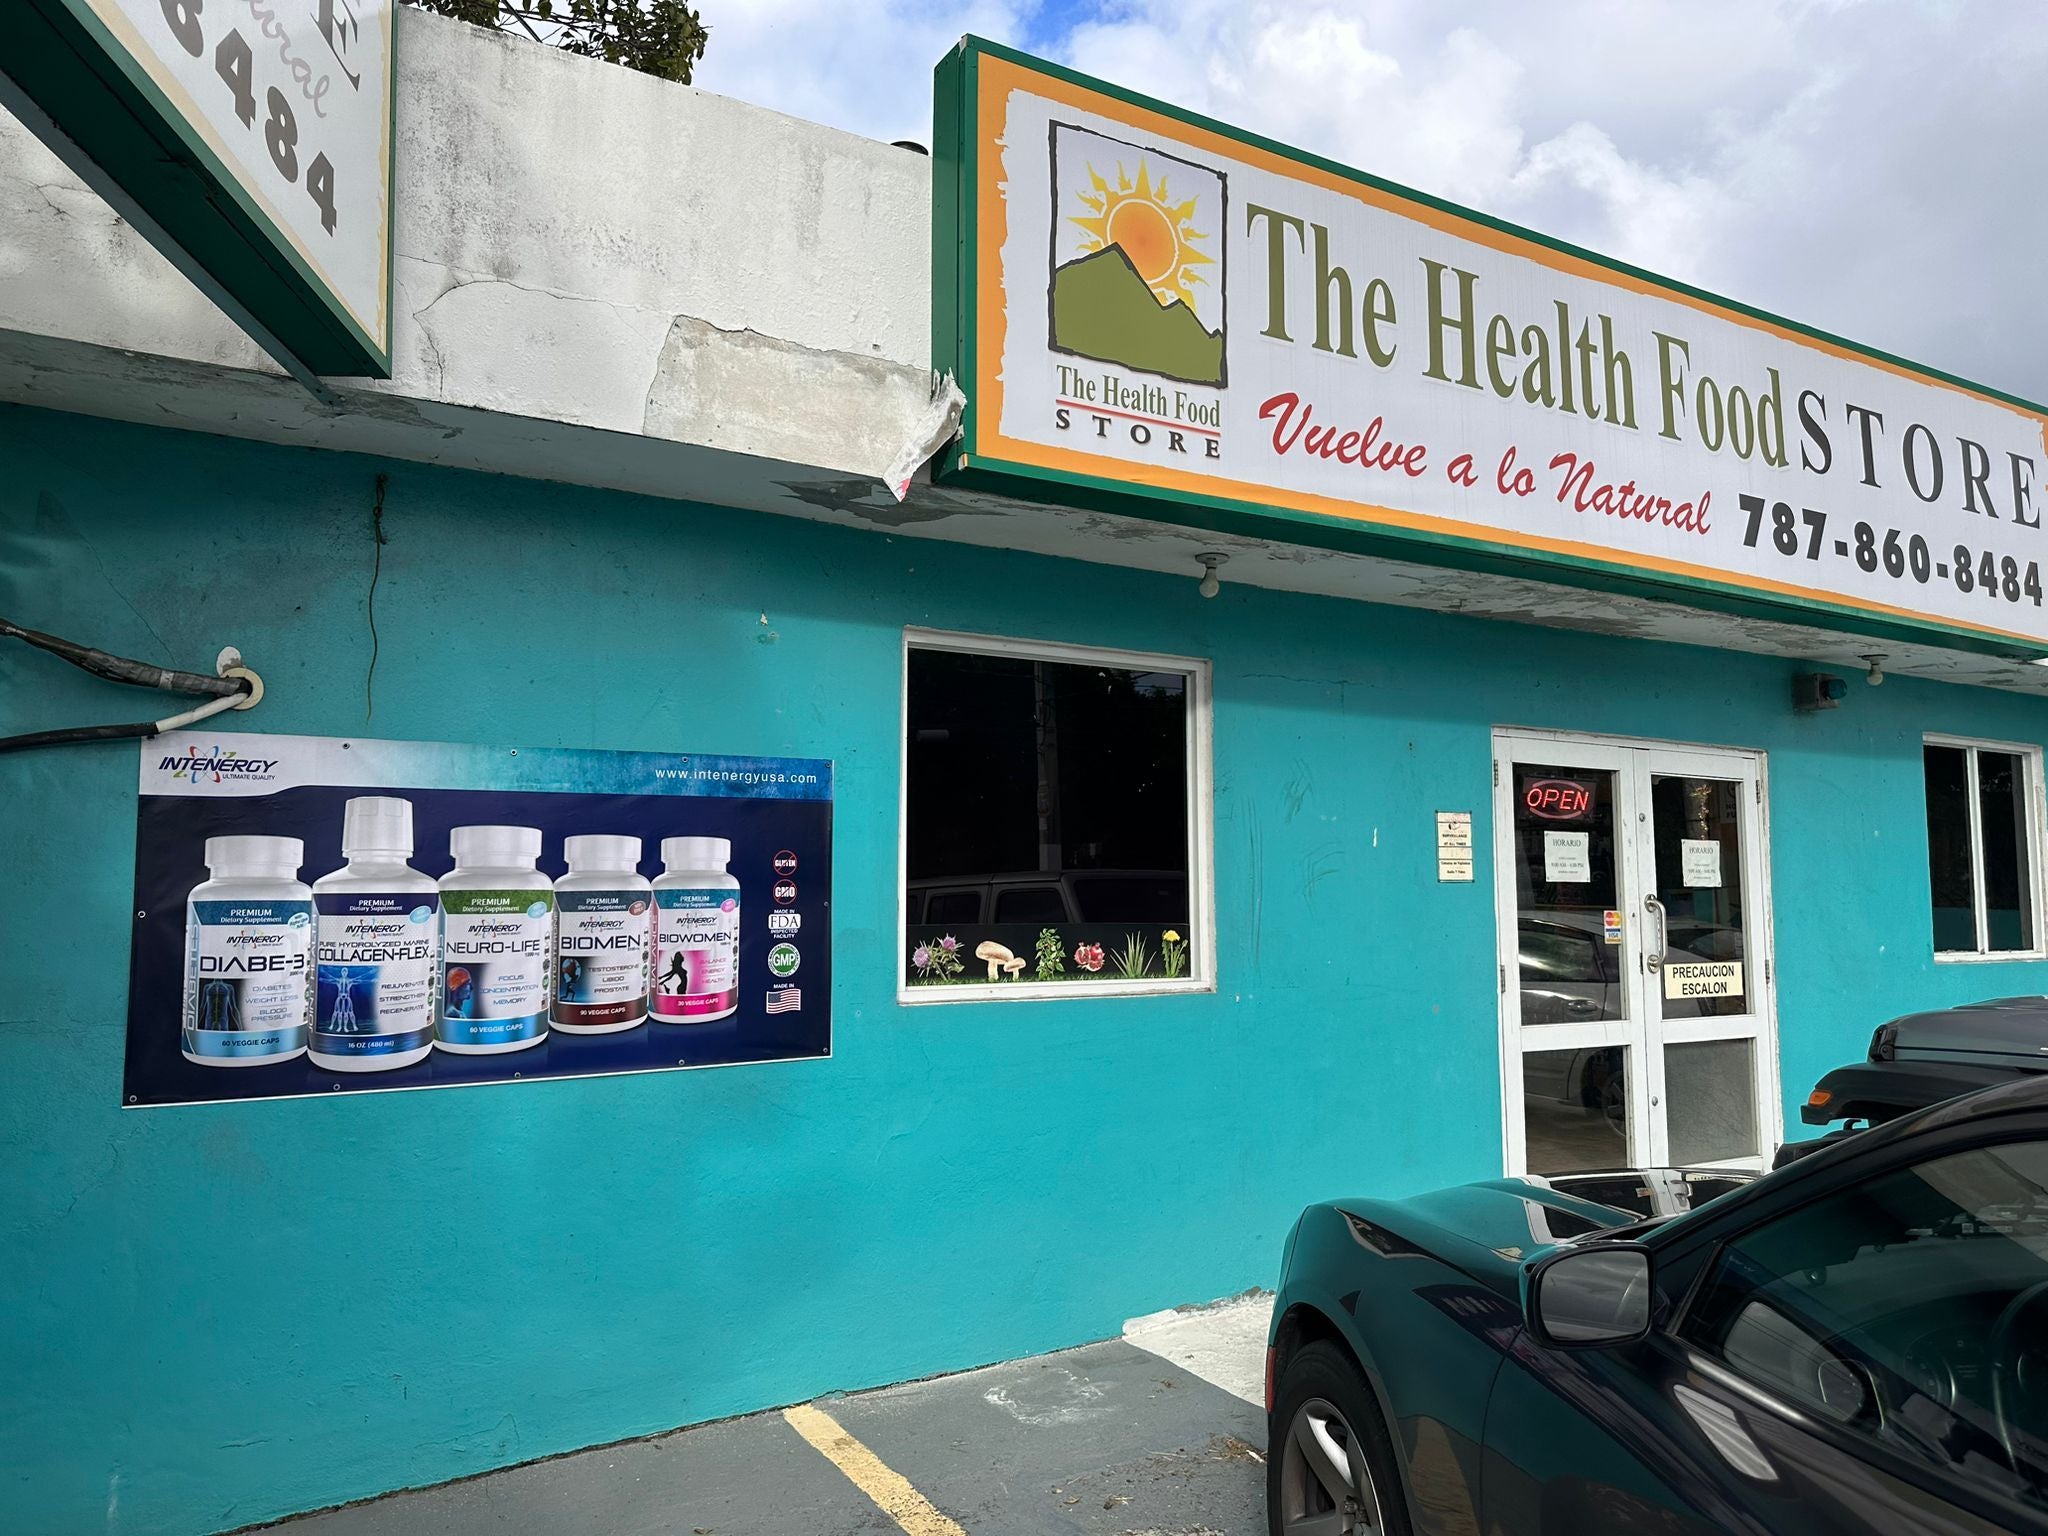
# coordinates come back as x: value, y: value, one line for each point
x: 1322, y: 1405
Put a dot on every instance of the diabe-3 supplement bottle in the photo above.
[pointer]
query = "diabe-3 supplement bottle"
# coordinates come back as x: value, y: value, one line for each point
x: 497, y: 943
x: 248, y: 955
x: 697, y: 932
x: 377, y: 923
x: 604, y: 937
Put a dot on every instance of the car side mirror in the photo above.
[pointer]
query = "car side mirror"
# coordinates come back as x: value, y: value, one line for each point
x: 1589, y: 1297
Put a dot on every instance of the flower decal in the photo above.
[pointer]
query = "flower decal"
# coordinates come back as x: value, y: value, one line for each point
x: 1088, y: 957
x: 938, y: 961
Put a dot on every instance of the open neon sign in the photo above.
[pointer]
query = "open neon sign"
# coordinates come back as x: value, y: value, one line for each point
x: 1558, y: 799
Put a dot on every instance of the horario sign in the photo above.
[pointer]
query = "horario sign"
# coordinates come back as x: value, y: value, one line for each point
x: 250, y: 140
x: 1153, y: 312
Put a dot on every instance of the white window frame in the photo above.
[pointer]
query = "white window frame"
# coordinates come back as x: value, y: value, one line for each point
x: 1201, y: 975
x: 2030, y: 767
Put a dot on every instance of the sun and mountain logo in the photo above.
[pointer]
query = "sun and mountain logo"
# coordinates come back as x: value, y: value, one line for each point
x: 1137, y: 257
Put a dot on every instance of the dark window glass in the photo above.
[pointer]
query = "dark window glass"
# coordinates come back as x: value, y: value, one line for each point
x: 1565, y: 887
x: 2002, y: 796
x: 1131, y: 898
x: 1030, y: 904
x: 1073, y: 773
x: 1550, y: 955
x: 1911, y: 1308
x: 953, y: 907
x: 1948, y: 849
x: 1995, y: 854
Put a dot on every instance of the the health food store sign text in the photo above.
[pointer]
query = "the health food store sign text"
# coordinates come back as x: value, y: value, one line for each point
x: 251, y: 138
x: 1153, y: 312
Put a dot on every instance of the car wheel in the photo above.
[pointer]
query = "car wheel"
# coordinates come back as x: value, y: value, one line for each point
x: 1329, y: 1463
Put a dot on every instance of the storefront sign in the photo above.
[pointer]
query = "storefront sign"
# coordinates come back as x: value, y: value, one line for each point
x: 252, y: 137
x: 1568, y: 858
x: 1153, y: 312
x: 1703, y: 978
x: 1558, y: 799
x: 267, y: 962
x: 1699, y: 862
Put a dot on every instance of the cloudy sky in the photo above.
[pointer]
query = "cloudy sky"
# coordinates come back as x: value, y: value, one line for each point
x: 1873, y: 167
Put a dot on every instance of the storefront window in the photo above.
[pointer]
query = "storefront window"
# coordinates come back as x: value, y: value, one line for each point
x: 1052, y: 800
x: 1982, y: 859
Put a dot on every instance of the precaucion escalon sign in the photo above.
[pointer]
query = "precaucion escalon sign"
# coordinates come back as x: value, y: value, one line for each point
x: 1181, y: 320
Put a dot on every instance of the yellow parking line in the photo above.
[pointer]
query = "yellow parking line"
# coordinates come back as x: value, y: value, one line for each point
x: 869, y: 1473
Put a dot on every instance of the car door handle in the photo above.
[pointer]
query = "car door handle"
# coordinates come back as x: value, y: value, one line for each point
x: 1582, y: 1005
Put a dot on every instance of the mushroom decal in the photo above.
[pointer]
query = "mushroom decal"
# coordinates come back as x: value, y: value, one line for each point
x: 999, y: 959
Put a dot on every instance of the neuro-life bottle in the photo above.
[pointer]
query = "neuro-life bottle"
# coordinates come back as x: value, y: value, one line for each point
x: 497, y: 943
x: 604, y: 943
x: 697, y: 932
x: 378, y: 926
x: 248, y: 955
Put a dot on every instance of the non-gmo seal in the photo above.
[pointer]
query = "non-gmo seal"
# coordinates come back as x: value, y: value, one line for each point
x: 783, y: 960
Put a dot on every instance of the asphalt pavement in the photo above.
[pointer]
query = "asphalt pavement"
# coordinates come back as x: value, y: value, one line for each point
x: 1158, y: 1433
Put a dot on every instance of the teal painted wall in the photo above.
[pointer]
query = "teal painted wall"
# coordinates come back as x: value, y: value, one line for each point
x: 520, y: 1270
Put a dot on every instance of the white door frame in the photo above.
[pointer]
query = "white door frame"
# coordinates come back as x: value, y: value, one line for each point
x: 1633, y: 760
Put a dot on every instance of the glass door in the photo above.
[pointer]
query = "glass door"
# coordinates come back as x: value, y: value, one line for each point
x: 1635, y: 1020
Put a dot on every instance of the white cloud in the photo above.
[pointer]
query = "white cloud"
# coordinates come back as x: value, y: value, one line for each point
x: 1869, y: 166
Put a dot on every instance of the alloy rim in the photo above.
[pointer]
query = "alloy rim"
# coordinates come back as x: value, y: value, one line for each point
x: 1325, y: 1487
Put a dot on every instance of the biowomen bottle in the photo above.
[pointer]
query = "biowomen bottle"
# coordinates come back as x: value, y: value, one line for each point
x: 248, y: 955
x: 377, y: 923
x: 697, y: 932
x: 497, y: 943
x: 604, y: 938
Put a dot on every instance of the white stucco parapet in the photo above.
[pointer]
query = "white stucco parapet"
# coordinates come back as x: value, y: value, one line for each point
x: 575, y: 243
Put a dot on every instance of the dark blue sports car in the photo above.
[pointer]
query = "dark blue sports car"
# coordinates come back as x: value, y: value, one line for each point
x: 1856, y: 1342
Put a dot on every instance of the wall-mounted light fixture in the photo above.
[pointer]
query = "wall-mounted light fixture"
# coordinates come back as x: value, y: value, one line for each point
x: 1875, y: 676
x: 1210, y: 585
x: 1817, y: 690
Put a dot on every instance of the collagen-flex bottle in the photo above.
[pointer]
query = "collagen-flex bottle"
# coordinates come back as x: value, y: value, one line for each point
x: 697, y: 932
x: 377, y: 922
x: 604, y: 944
x: 248, y: 955
x: 497, y: 943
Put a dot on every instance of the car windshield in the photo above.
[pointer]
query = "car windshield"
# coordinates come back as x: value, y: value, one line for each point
x: 1912, y: 1307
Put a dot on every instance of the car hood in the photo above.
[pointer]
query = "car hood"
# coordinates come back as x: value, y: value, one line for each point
x: 1491, y: 1229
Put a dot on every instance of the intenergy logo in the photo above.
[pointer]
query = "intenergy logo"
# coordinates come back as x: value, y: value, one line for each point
x: 217, y: 765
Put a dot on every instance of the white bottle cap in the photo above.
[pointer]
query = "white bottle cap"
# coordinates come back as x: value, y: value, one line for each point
x: 248, y: 855
x: 494, y: 847
x: 696, y: 852
x: 376, y: 824
x: 601, y: 850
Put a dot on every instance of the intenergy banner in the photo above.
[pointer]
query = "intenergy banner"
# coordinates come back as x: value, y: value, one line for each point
x: 1191, y: 322
x: 319, y: 915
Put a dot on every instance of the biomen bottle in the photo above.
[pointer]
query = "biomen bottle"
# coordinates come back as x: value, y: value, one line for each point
x: 497, y: 943
x: 248, y: 955
x: 378, y: 927
x: 697, y: 932
x: 604, y: 941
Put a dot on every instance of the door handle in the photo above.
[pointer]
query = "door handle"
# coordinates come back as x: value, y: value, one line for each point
x: 1653, y: 958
